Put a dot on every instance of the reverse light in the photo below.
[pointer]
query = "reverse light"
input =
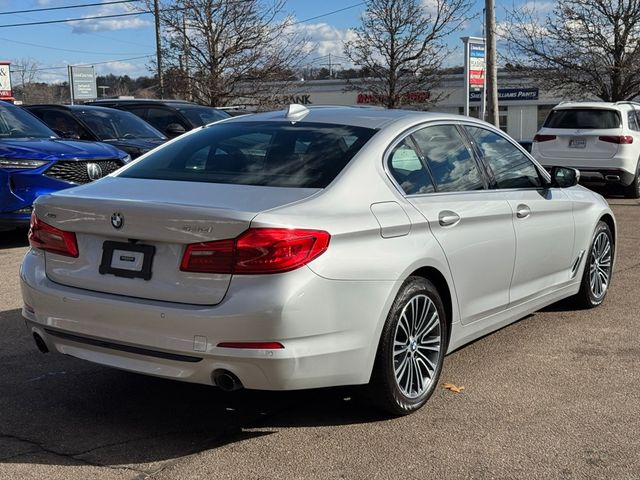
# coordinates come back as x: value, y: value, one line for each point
x: 18, y: 163
x: 52, y: 239
x: 543, y: 138
x: 256, y: 251
x: 619, y: 139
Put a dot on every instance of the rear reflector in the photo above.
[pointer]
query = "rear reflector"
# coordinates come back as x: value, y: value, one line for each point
x: 256, y: 251
x: 619, y: 139
x: 52, y: 239
x: 543, y: 138
x: 252, y: 345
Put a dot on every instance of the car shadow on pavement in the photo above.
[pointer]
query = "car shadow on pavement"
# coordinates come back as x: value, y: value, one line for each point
x: 55, y: 408
x: 13, y: 238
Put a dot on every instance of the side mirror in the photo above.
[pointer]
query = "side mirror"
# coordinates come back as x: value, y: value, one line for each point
x: 564, y: 177
x: 174, y: 129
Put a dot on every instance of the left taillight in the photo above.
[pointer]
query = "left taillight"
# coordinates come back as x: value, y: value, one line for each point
x: 52, y: 239
x: 257, y: 251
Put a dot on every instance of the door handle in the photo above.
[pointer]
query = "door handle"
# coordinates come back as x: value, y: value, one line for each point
x: 523, y: 211
x: 447, y: 218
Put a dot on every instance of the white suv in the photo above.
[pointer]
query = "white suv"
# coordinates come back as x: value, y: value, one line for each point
x: 600, y: 139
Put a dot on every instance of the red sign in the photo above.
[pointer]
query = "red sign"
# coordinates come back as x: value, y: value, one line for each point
x: 409, y: 97
x: 5, y: 82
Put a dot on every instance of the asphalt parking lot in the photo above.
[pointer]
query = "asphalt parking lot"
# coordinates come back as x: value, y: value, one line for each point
x: 555, y: 395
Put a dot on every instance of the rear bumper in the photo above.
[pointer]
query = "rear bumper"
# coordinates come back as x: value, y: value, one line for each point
x: 605, y: 176
x: 329, y: 329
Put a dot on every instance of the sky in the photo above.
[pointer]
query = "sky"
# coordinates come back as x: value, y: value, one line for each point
x: 126, y: 45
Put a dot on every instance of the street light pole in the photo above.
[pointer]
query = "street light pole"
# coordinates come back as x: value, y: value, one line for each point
x: 156, y: 12
x: 492, y: 67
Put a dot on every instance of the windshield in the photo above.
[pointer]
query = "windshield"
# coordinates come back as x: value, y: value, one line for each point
x: 576, y: 118
x: 116, y: 124
x: 202, y: 115
x: 303, y: 155
x: 17, y: 123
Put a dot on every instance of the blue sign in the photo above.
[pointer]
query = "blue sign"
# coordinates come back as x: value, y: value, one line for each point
x: 506, y: 94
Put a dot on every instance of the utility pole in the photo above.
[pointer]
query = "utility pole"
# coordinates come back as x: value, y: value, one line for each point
x: 156, y: 12
x: 492, y: 67
x: 330, y: 65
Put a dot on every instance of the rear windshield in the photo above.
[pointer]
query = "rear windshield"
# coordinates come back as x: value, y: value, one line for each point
x: 304, y: 155
x: 583, y: 118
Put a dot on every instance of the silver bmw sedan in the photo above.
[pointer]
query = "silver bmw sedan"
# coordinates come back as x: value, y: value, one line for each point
x: 312, y: 247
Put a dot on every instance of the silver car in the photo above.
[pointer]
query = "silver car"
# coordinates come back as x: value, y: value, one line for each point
x: 312, y: 247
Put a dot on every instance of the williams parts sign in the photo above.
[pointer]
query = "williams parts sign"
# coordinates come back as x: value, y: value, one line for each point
x: 508, y: 94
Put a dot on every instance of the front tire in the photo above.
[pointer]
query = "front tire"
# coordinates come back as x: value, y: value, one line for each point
x: 598, y: 269
x: 411, y: 349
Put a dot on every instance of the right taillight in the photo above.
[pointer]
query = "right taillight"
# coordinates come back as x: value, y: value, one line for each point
x: 52, y: 239
x: 257, y: 251
x: 543, y: 138
x: 619, y: 139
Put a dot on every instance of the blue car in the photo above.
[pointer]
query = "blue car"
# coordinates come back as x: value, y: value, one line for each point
x: 35, y: 161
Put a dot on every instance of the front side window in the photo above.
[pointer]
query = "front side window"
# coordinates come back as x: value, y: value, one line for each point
x: 452, y: 166
x: 511, y: 168
x: 408, y: 170
x: 161, y: 119
x: 303, y: 155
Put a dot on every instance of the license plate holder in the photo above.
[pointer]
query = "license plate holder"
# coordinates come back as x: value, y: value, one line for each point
x: 129, y: 260
x: 577, y: 143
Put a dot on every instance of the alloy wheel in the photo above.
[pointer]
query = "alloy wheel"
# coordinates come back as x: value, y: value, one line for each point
x: 416, y: 346
x: 600, y: 265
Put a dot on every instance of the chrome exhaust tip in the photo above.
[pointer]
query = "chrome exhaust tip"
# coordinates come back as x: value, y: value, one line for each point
x: 226, y: 380
x: 42, y: 346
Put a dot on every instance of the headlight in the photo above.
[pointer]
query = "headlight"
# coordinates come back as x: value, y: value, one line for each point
x: 10, y: 163
x: 126, y: 159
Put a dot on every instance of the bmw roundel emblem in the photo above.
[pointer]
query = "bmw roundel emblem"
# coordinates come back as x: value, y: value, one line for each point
x: 117, y: 220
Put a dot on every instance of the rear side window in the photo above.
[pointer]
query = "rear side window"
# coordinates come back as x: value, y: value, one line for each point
x: 451, y: 164
x: 406, y: 167
x: 583, y: 118
x: 256, y: 153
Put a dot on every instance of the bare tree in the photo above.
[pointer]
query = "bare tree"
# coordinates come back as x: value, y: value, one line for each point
x: 26, y: 70
x: 221, y: 50
x: 400, y: 48
x: 588, y: 47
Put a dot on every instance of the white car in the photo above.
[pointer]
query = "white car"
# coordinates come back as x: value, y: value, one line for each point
x: 312, y: 248
x: 600, y: 139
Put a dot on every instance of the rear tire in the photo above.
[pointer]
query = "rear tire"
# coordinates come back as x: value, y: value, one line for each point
x: 633, y: 190
x: 598, y: 268
x: 411, y: 349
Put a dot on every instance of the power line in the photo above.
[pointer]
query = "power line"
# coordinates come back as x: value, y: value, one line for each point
x: 94, y: 63
x: 329, y: 13
x: 47, y: 9
x: 64, y: 49
x: 148, y: 12
x: 97, y: 17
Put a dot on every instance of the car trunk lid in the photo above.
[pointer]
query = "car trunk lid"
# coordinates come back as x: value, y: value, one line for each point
x: 132, y: 221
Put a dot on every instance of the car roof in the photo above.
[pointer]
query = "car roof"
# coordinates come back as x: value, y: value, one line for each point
x: 145, y: 101
x: 601, y: 105
x: 368, y: 117
x: 70, y: 107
